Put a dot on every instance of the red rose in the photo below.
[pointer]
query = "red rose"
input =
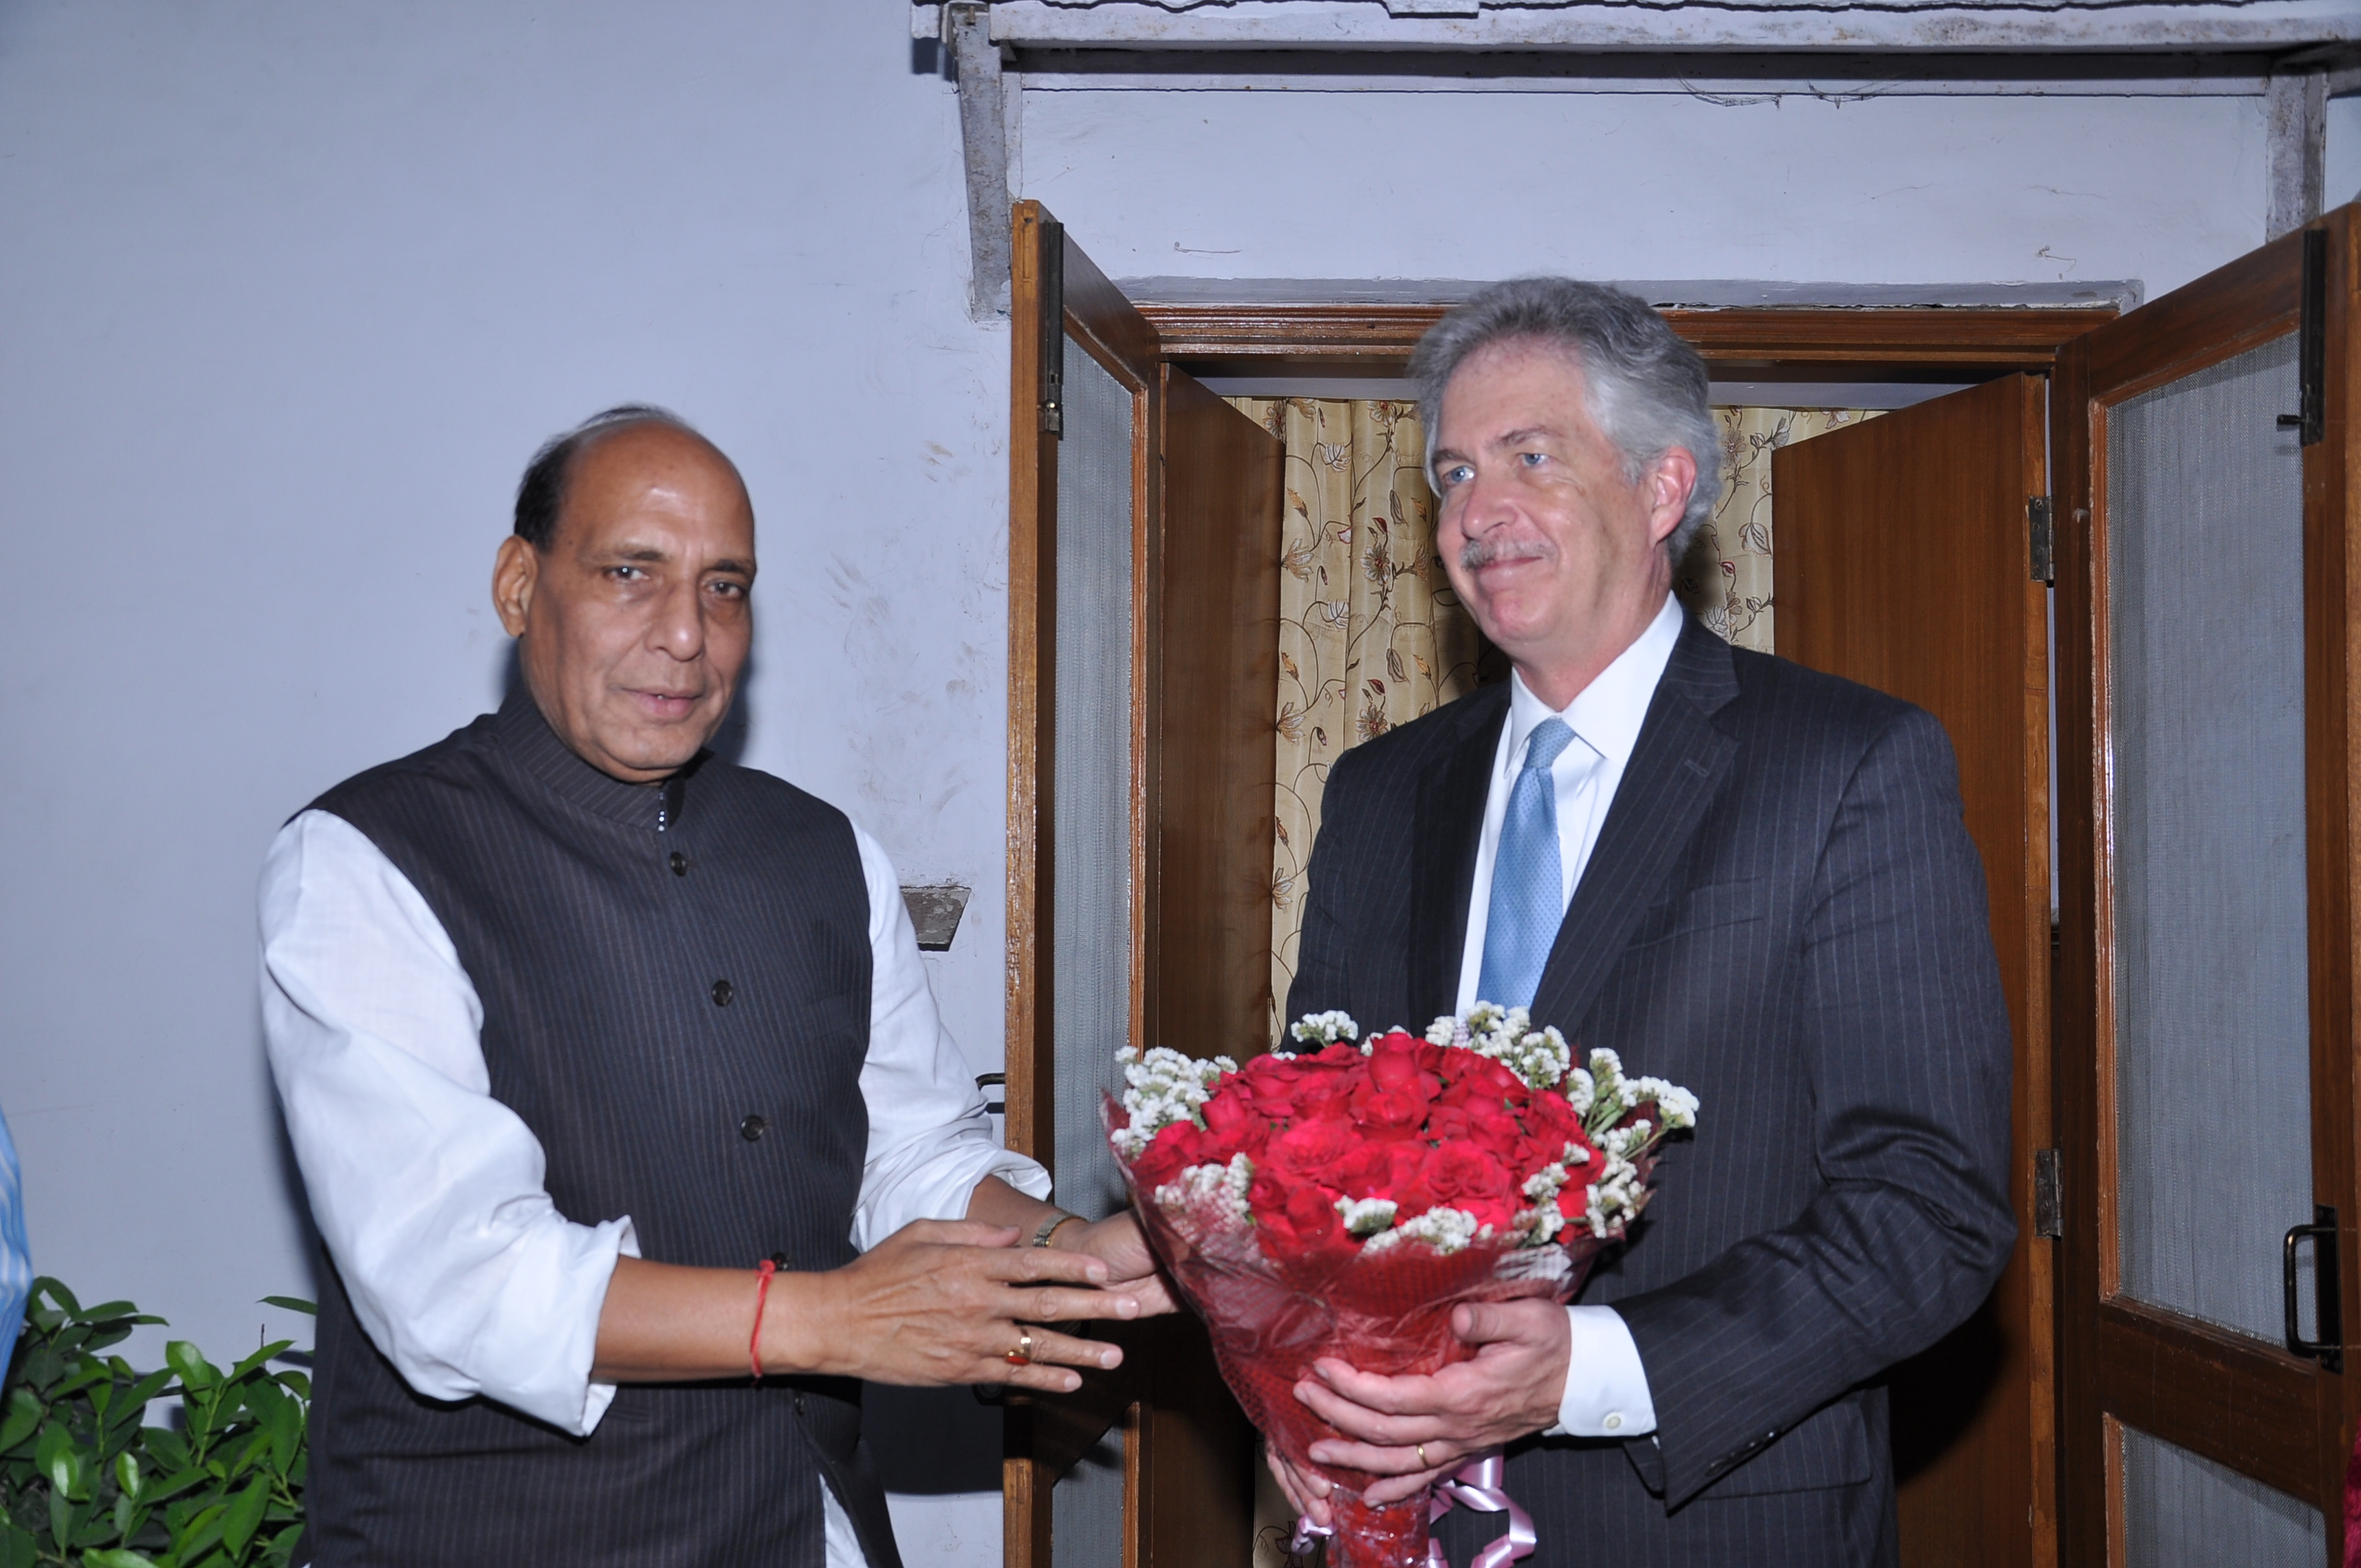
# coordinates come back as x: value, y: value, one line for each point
x: 1383, y: 1170
x: 1462, y: 1176
x: 1173, y: 1150
x: 1388, y: 1114
x: 1394, y: 1068
x: 1482, y: 1079
x: 1272, y: 1084
x: 1230, y: 1119
x: 1297, y: 1220
x: 1312, y: 1150
x: 1496, y: 1131
x: 1446, y: 1121
x: 1325, y: 1090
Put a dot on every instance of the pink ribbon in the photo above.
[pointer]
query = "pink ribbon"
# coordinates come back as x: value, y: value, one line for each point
x: 1480, y: 1483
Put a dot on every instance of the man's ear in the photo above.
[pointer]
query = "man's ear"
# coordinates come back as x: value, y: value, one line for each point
x: 1670, y: 484
x: 515, y: 571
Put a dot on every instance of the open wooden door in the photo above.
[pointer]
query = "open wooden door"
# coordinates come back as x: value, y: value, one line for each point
x: 1144, y: 519
x: 2205, y: 446
x: 1904, y: 564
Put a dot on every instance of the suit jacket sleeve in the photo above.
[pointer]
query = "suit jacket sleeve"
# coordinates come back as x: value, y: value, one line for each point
x: 1322, y: 955
x: 1901, y: 1026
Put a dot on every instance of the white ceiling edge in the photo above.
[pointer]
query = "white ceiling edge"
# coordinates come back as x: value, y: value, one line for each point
x: 1609, y: 24
x: 1679, y: 294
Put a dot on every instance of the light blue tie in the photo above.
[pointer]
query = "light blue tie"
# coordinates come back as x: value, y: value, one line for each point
x: 1528, y: 878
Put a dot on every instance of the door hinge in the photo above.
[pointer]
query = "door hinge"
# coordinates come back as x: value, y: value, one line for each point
x: 2049, y: 1218
x: 2037, y: 512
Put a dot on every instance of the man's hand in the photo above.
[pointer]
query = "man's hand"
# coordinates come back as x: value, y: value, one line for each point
x: 1511, y: 1387
x: 1116, y: 1242
x: 944, y: 1301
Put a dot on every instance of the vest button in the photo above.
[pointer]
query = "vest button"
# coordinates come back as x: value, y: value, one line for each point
x: 679, y: 863
x: 753, y: 1128
x: 723, y: 991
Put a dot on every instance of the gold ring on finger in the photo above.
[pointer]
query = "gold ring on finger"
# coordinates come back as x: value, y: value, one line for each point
x: 1023, y: 1354
x: 1422, y: 1454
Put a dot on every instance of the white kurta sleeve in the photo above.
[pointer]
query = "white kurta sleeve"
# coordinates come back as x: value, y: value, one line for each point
x: 427, y: 1190
x: 930, y: 1139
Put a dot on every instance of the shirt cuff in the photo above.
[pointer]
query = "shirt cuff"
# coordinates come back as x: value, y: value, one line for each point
x: 1606, y: 1387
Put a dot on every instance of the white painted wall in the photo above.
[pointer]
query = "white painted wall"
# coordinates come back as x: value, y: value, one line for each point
x: 288, y: 291
x: 1892, y: 190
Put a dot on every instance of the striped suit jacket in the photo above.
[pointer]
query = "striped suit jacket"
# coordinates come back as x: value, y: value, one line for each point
x: 1783, y: 912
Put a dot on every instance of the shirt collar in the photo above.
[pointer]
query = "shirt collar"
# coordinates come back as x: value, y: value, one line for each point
x: 1606, y: 713
x: 557, y: 767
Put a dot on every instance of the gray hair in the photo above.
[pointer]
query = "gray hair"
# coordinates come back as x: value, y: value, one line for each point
x: 1643, y: 387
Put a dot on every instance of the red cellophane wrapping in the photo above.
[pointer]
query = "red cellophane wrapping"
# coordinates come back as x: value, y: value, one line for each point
x: 1387, y: 1312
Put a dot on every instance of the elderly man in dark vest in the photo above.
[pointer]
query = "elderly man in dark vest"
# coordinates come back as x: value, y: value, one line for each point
x: 625, y: 1112
x: 1743, y: 876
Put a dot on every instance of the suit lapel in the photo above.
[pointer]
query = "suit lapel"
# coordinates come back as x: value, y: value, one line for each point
x: 1676, y: 769
x: 1449, y: 824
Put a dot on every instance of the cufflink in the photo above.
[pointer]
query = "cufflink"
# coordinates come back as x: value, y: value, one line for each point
x: 1614, y: 1422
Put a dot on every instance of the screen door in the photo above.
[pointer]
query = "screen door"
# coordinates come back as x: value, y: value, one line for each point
x: 2204, y: 1029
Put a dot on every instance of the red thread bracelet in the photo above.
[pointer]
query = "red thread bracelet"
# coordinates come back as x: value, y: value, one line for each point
x: 762, y: 1272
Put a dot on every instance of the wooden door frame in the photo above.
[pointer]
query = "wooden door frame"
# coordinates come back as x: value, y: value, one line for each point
x: 2122, y: 1348
x: 1377, y: 340
x: 1357, y: 340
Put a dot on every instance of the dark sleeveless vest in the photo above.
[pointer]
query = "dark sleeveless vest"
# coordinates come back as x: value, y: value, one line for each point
x: 675, y: 986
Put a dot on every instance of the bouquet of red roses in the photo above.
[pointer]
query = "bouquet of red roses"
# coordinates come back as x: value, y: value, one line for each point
x: 1340, y: 1200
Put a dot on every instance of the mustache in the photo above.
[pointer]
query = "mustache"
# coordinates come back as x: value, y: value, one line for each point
x: 1478, y: 554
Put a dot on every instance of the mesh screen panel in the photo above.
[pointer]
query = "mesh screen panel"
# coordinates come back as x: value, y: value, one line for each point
x: 2213, y: 1037
x: 1086, y: 1504
x: 1091, y: 962
x: 2184, y: 1511
x: 1090, y: 824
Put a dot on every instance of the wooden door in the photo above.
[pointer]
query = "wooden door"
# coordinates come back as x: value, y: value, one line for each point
x: 2204, y: 1025
x: 1905, y: 564
x: 1144, y: 519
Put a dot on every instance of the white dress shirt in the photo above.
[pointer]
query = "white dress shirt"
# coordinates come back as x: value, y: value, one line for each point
x: 1605, y: 1386
x: 429, y: 1192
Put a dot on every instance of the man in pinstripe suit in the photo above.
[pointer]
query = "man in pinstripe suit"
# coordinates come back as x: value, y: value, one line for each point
x: 1743, y: 876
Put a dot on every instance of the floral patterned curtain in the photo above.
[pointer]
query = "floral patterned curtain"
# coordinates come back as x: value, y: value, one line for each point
x: 1370, y: 634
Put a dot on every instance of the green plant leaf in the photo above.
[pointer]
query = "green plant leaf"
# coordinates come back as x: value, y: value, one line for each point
x: 201, y: 1534
x: 244, y: 1516
x: 172, y: 1486
x: 285, y: 1421
x: 196, y: 1371
x: 117, y: 1557
x: 58, y: 1458
x: 56, y: 1291
x: 249, y: 1363
x: 19, y: 1548
x: 126, y: 1475
x: 24, y: 1415
x: 108, y: 1313
x: 168, y: 1447
x: 293, y: 1304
